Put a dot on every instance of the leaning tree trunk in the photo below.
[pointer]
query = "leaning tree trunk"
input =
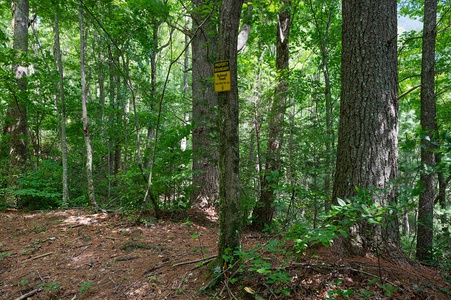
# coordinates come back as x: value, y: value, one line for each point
x: 264, y: 210
x: 429, y: 128
x: 205, y: 151
x: 228, y: 121
x: 16, y: 116
x: 367, y: 153
x: 61, y: 102
x: 84, y: 96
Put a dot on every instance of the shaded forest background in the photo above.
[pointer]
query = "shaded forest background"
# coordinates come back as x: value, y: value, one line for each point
x: 120, y: 74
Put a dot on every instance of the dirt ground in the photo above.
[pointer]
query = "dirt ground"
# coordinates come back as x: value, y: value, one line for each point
x: 75, y: 254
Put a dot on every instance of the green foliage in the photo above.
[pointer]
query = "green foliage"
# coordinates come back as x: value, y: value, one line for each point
x: 335, y: 291
x: 357, y: 209
x: 255, y: 263
x: 40, y: 189
x: 442, y: 242
x: 4, y: 254
x: 51, y: 287
x: 338, y: 222
x: 129, y: 188
x: 305, y: 237
x: 85, y: 287
x: 119, y: 74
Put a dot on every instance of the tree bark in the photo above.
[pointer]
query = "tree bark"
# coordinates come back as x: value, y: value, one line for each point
x: 16, y: 116
x: 264, y: 210
x: 61, y: 103
x: 367, y: 153
x: 84, y: 98
x: 429, y: 129
x: 228, y: 122
x: 205, y: 150
x: 115, y: 118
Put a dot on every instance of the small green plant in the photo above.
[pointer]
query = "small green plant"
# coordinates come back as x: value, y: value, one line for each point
x: 25, y: 251
x: 342, y: 217
x: 345, y: 293
x: 24, y: 282
x: 51, y: 287
x: 39, y: 229
x: 149, y: 222
x: 187, y: 223
x: 255, y: 263
x: 85, y: 287
x: 365, y: 294
x: 4, y: 254
x: 388, y: 289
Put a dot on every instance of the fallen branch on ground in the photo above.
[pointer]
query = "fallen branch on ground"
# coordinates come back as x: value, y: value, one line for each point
x: 207, y: 259
x: 125, y: 258
x: 29, y: 294
x: 39, y: 256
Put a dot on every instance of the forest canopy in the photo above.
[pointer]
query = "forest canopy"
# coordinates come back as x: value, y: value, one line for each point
x: 328, y: 125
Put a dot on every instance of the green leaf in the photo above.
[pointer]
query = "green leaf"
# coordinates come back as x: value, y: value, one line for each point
x: 341, y: 202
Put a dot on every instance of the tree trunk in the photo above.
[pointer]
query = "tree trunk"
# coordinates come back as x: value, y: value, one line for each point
x: 16, y: 116
x: 264, y: 210
x: 367, y: 153
x: 228, y: 122
x: 114, y: 144
x: 429, y: 129
x: 153, y: 84
x: 329, y: 140
x: 61, y: 103
x: 84, y: 96
x: 205, y: 150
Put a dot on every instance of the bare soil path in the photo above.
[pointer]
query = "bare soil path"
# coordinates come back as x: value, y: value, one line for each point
x: 75, y: 254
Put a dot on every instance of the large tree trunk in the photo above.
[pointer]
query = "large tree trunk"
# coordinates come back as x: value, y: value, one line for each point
x: 264, y: 210
x: 228, y: 121
x: 367, y: 153
x: 84, y: 96
x: 61, y: 103
x: 205, y: 150
x: 429, y: 128
x: 16, y: 116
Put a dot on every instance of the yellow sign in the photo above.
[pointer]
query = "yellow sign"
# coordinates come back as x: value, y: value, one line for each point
x: 222, y: 76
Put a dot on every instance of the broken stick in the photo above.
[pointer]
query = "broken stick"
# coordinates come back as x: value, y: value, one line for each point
x: 29, y: 294
x: 39, y: 256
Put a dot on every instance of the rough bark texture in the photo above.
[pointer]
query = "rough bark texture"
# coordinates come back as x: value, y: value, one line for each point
x: 205, y: 150
x: 264, y: 210
x: 429, y: 128
x: 229, y: 164
x: 367, y: 153
x: 16, y: 116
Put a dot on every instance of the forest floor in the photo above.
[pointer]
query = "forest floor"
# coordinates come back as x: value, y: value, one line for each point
x: 75, y: 254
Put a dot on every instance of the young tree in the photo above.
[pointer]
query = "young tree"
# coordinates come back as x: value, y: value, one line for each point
x: 324, y: 20
x: 84, y: 99
x: 228, y: 121
x: 16, y: 117
x: 429, y: 130
x: 367, y: 153
x: 264, y: 210
x: 61, y: 101
x: 205, y: 151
